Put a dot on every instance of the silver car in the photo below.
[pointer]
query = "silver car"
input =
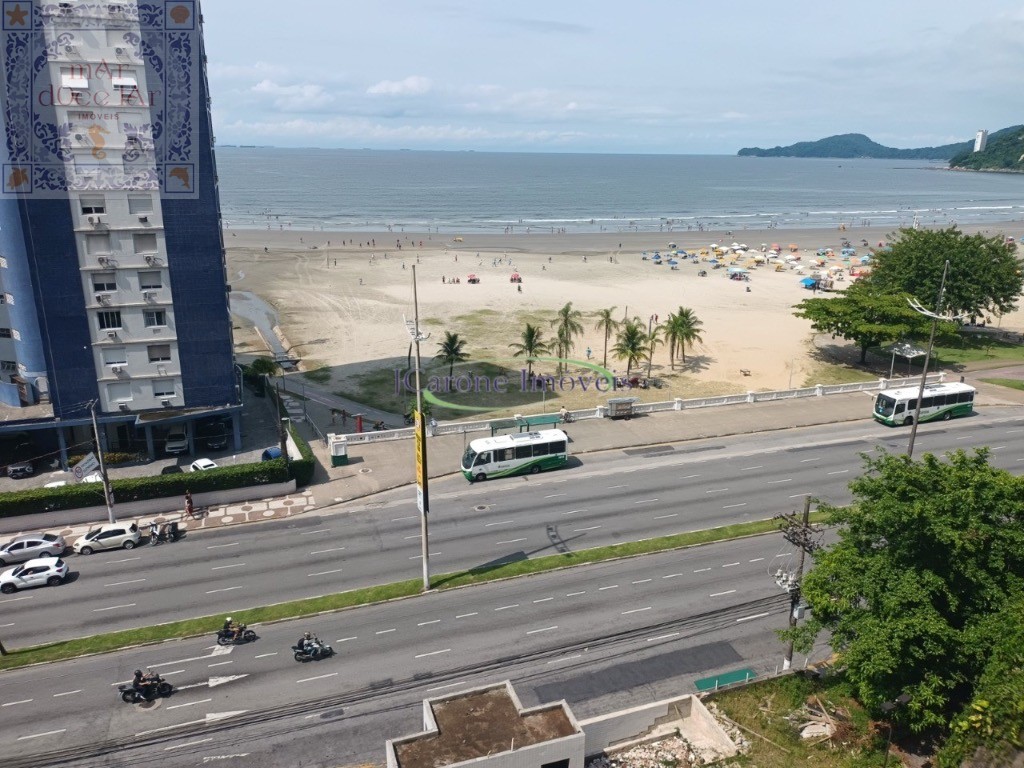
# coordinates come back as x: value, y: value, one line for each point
x: 31, y: 545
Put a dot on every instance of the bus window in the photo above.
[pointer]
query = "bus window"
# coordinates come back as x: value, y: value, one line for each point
x: 966, y: 397
x: 524, y: 452
x: 483, y: 458
x: 540, y: 449
x: 928, y: 402
x: 505, y: 454
x: 558, y: 447
x: 912, y: 405
x: 899, y: 408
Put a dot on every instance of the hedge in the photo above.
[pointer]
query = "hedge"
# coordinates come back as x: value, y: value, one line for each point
x: 142, y: 488
x: 302, y: 470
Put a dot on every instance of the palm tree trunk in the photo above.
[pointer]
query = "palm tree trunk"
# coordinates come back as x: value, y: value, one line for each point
x: 604, y: 364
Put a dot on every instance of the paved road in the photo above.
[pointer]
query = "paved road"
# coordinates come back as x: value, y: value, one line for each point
x: 609, y: 497
x: 604, y: 637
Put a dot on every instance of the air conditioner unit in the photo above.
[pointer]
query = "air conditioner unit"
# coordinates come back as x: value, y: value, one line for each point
x: 165, y: 403
x: 81, y: 138
x: 96, y: 220
x: 71, y: 50
x: 143, y: 218
x: 102, y: 298
x: 120, y: 52
x: 148, y: 295
x: 115, y: 369
x: 103, y: 260
x: 123, y: 406
x: 111, y: 334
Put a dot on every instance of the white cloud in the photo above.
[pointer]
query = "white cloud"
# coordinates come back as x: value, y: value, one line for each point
x: 414, y: 85
x: 300, y: 97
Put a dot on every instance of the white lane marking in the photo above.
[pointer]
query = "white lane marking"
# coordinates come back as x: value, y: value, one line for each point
x: 783, y: 554
x: 16, y: 703
x: 325, y: 573
x: 662, y: 637
x: 223, y: 567
x: 642, y: 581
x: 465, y: 615
x: 776, y: 482
x: 16, y: 599
x: 804, y: 461
x: 126, y: 560
x: 636, y: 610
x: 733, y: 506
x: 591, y: 528
x: 672, y: 576
x: 187, y: 743
x: 544, y: 600
x: 729, y: 565
x: 325, y: 551
x: 690, y: 477
x: 66, y: 693
x: 223, y: 546
x: 511, y: 541
x: 506, y: 607
x: 755, y: 616
x: 38, y: 735
x: 801, y: 495
x: 611, y: 487
x: 554, y: 495
x: 701, y: 570
x: 190, y: 704
x: 565, y: 658
x: 613, y: 586
x: 385, y: 631
x: 645, y: 501
x: 756, y: 560
x: 4, y: 626
x: 1013, y: 431
x: 399, y: 519
x: 425, y: 623
x: 443, y: 687
x: 574, y: 594
x: 666, y: 517
x: 310, y: 533
x: 226, y: 589
x: 503, y: 522
x: 965, y: 437
x: 574, y: 511
x: 318, y: 677
x: 538, y: 631
x: 997, y: 447
x: 432, y: 653
x: 416, y: 536
x: 749, y: 469
x: 113, y: 607
x: 429, y: 554
x: 719, y: 594
x: 839, y: 472
x: 717, y: 490
x: 122, y: 583
x: 220, y: 663
x: 346, y: 639
x: 264, y: 655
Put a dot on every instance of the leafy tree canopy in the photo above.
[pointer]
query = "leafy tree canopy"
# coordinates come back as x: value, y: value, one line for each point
x: 263, y: 365
x: 927, y: 553
x: 984, y: 274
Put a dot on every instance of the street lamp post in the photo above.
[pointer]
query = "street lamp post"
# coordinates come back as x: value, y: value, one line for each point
x: 108, y: 496
x: 887, y: 707
x: 422, y: 497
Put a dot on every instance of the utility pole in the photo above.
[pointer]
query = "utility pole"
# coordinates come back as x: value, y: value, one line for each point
x: 108, y: 496
x: 927, y: 355
x: 422, y: 497
x: 806, y: 538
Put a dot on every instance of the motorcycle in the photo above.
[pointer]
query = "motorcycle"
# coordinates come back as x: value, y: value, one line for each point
x: 158, y: 687
x: 227, y: 636
x: 315, y: 650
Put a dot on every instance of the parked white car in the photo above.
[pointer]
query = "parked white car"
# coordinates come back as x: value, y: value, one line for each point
x: 30, y: 546
x: 109, y: 536
x: 177, y: 441
x: 43, y: 571
x: 199, y: 465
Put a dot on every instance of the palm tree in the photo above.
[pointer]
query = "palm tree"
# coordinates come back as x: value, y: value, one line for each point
x: 532, y: 345
x: 630, y: 344
x: 606, y: 324
x: 568, y: 326
x: 452, y: 350
x: 653, y: 340
x: 686, y: 329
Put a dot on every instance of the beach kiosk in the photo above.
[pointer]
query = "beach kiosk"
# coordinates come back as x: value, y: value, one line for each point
x: 337, y: 445
x: 621, y: 407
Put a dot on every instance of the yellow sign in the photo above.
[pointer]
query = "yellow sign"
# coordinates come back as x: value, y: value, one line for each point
x: 421, y: 454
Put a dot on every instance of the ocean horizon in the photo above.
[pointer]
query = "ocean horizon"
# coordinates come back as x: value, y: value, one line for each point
x: 348, y: 190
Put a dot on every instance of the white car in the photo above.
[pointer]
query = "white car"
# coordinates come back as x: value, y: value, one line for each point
x: 43, y: 571
x: 177, y: 441
x: 109, y: 536
x: 200, y: 465
x: 30, y: 546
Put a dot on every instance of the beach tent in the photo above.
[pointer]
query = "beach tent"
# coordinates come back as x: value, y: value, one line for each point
x: 737, y: 271
x: 808, y: 282
x: 671, y: 245
x: 713, y: 261
x: 672, y: 262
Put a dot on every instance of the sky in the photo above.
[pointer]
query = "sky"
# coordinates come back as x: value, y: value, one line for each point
x: 649, y: 76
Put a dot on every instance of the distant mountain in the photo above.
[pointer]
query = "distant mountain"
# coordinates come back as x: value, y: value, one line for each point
x: 850, y: 145
x: 1005, y: 152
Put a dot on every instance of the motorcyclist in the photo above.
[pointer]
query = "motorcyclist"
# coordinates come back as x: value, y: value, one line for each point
x: 142, y: 683
x: 233, y: 627
x: 305, y: 643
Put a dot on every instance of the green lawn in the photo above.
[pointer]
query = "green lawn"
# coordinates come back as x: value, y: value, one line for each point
x: 1011, y: 383
x: 973, y: 348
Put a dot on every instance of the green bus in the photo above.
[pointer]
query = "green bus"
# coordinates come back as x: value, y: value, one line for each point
x: 940, y: 401
x: 507, y: 455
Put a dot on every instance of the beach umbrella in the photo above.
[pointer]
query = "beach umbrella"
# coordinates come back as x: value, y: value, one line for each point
x: 713, y: 261
x: 672, y: 262
x: 775, y: 247
x: 807, y: 282
x: 671, y: 245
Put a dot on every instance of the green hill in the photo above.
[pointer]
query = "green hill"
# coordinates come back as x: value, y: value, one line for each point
x: 1005, y: 152
x: 850, y: 145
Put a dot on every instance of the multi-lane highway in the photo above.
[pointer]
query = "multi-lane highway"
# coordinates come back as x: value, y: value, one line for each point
x: 605, y: 498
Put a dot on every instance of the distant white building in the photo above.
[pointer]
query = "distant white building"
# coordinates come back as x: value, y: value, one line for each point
x: 981, y: 140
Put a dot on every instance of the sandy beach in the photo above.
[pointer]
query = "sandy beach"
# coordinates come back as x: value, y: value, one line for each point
x: 352, y: 292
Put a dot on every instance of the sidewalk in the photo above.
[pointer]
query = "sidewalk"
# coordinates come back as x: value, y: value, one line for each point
x: 376, y: 467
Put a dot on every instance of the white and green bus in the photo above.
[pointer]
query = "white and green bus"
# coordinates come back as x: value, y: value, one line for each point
x: 506, y: 455
x: 940, y: 401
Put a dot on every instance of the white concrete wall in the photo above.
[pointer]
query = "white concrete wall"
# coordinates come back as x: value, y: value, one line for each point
x: 605, y: 730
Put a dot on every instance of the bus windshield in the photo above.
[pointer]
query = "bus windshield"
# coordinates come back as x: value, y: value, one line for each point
x: 467, y: 458
x: 885, y: 405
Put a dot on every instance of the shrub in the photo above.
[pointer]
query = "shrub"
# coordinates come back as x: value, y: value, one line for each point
x: 110, y: 458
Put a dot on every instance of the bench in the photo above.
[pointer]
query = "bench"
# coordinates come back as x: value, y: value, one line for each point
x: 527, y: 423
x: 745, y: 371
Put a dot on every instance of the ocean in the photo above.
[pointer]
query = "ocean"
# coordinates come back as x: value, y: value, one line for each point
x: 460, y: 192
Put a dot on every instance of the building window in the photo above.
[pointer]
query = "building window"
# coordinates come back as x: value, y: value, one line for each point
x: 150, y: 281
x: 140, y: 204
x: 103, y: 281
x: 120, y: 393
x: 163, y: 388
x: 145, y: 242
x: 115, y: 356
x: 93, y: 205
x: 5, y: 333
x: 3, y: 298
x: 110, y: 321
x: 8, y: 299
x: 97, y: 244
x: 159, y: 353
x: 155, y: 318
x: 8, y: 366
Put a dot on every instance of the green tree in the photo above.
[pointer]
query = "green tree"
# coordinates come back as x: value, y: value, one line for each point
x: 531, y: 344
x: 682, y: 329
x: 630, y: 344
x: 984, y: 274
x: 927, y: 552
x: 451, y: 350
x: 867, y: 316
x: 567, y: 327
x: 263, y: 366
x: 607, y: 325
x: 653, y: 340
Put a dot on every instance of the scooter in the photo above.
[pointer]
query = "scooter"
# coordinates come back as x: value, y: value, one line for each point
x: 315, y: 650
x: 227, y: 636
x: 159, y: 687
